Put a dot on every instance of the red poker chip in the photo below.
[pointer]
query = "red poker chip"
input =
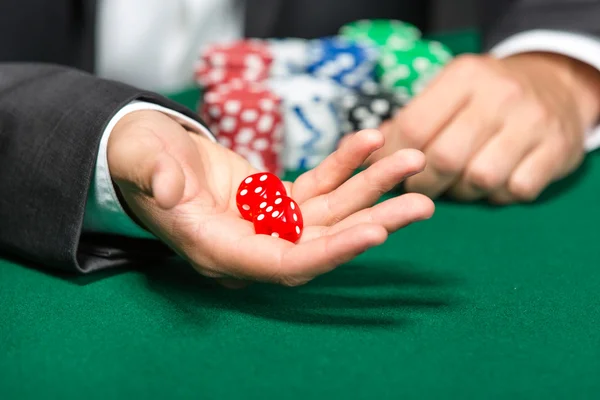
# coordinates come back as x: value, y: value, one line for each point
x: 248, y: 53
x: 248, y: 94
x: 209, y: 77
x: 268, y: 160
x: 249, y: 60
x: 246, y: 118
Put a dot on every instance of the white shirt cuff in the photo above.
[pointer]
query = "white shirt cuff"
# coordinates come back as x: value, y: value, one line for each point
x: 103, y: 212
x: 577, y: 46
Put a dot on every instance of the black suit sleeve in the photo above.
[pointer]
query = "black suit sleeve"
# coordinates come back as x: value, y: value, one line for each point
x: 51, y: 122
x: 504, y: 18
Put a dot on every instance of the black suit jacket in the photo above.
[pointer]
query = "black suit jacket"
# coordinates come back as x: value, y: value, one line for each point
x: 52, y: 113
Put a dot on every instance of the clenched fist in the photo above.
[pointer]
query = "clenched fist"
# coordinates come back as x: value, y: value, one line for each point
x: 498, y: 129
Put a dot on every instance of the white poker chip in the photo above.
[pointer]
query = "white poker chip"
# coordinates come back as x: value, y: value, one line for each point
x: 290, y: 56
x: 312, y: 118
x: 306, y: 89
x: 380, y: 106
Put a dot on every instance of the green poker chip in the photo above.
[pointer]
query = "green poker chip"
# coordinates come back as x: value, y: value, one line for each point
x: 407, y: 71
x: 386, y: 33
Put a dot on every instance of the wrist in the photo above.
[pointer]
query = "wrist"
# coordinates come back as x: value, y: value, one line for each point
x: 129, y: 123
x: 586, y: 83
x: 580, y: 80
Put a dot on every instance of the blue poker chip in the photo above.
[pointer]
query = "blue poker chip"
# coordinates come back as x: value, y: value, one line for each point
x: 347, y: 62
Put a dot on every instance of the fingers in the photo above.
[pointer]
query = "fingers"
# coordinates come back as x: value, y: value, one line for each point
x: 491, y: 167
x: 344, y: 139
x: 363, y: 189
x: 308, y: 260
x: 535, y: 173
x: 387, y: 130
x: 266, y: 259
x: 501, y: 197
x: 423, y: 118
x: 449, y: 153
x: 392, y: 214
x: 338, y: 167
x: 429, y: 112
x: 545, y: 164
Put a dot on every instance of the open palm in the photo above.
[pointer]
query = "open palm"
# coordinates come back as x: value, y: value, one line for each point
x: 182, y: 187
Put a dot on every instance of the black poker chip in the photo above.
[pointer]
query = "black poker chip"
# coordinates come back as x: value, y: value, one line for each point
x: 368, y: 109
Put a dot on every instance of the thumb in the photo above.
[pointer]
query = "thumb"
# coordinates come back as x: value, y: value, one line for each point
x: 141, y: 163
x: 167, y: 181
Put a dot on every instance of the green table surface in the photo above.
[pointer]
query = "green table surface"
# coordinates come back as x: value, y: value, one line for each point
x: 478, y: 302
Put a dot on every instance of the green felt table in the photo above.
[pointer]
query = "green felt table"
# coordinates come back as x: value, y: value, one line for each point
x: 478, y: 302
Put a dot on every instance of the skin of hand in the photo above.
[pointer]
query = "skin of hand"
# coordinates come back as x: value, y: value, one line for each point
x: 182, y: 187
x: 497, y: 129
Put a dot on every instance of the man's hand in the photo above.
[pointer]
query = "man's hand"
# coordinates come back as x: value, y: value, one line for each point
x: 182, y: 187
x: 498, y: 129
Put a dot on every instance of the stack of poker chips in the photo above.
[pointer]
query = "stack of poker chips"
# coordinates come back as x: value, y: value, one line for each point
x: 408, y: 71
x: 246, y: 118
x: 246, y: 60
x: 406, y: 62
x: 321, y: 89
x: 312, y: 114
x: 381, y: 33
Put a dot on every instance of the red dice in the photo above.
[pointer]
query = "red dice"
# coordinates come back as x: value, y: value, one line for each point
x: 279, y: 218
x: 261, y: 198
x: 256, y: 189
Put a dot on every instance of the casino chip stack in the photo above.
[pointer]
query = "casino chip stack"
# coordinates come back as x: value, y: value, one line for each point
x: 290, y: 56
x: 367, y: 110
x: 312, y: 118
x: 248, y: 60
x: 246, y: 118
x: 407, y: 71
x: 390, y: 34
x: 346, y: 62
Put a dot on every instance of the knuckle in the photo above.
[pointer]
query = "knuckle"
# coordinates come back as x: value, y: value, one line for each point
x: 538, y: 114
x: 445, y: 162
x: 554, y: 128
x: 468, y: 64
x: 333, y: 213
x: 483, y: 177
x: 523, y: 189
x: 509, y: 89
